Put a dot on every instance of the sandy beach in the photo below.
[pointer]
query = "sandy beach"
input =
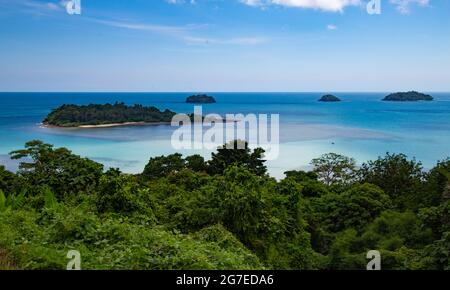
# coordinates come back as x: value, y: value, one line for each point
x: 126, y: 124
x: 108, y: 125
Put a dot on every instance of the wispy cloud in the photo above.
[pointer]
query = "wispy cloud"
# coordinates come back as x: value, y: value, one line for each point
x: 326, y: 5
x: 236, y: 41
x: 33, y: 7
x: 404, y: 6
x: 183, y: 33
x: 169, y: 30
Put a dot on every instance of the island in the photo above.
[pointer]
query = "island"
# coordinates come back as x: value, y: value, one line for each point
x: 107, y: 115
x: 329, y: 99
x: 408, y: 97
x: 200, y: 99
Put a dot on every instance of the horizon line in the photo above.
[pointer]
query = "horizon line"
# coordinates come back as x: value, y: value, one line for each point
x: 210, y: 92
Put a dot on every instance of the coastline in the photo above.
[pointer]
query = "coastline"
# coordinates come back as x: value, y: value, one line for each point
x: 112, y: 125
x: 126, y: 124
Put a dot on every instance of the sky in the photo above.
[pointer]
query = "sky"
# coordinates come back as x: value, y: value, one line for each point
x: 224, y: 46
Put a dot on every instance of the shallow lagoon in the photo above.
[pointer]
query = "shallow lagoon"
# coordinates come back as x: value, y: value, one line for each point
x: 361, y: 126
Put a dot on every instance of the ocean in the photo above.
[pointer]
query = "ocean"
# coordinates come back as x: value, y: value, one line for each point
x: 361, y: 126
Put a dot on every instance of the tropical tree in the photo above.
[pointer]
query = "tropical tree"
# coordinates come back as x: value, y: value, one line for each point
x: 196, y: 163
x: 399, y: 177
x: 9, y: 182
x: 238, y: 153
x: 354, y: 208
x: 334, y: 169
x: 162, y: 166
x: 63, y: 171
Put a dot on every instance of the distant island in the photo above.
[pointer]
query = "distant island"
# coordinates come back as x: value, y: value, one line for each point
x: 108, y: 115
x: 329, y: 99
x: 200, y: 99
x: 408, y: 97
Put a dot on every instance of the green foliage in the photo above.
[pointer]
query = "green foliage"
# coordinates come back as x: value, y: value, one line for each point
x: 162, y: 166
x: 437, y: 255
x: 354, y: 208
x: 398, y: 236
x: 393, y: 230
x: 119, y: 193
x: 185, y: 213
x: 437, y: 185
x: 311, y: 186
x: 238, y: 153
x: 115, y: 243
x: 9, y: 182
x: 436, y: 218
x: 12, y: 201
x: 74, y: 115
x: 346, y: 253
x: 301, y: 176
x: 397, y: 176
x: 411, y: 96
x: 245, y: 205
x: 2, y: 201
x: 50, y: 201
x: 165, y: 166
x: 196, y: 163
x: 64, y: 172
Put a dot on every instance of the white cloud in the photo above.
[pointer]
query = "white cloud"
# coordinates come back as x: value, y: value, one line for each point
x: 404, y: 5
x: 252, y: 2
x: 326, y: 5
x: 172, y: 30
x: 332, y: 27
x: 193, y: 2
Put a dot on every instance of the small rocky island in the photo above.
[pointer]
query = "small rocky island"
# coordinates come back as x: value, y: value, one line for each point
x: 329, y: 99
x: 200, y: 99
x: 107, y: 115
x: 408, y: 97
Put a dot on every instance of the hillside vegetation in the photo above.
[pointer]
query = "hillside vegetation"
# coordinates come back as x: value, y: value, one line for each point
x: 226, y: 213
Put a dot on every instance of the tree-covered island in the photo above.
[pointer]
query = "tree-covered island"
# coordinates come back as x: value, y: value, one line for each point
x: 329, y: 99
x: 106, y: 115
x: 408, y: 97
x: 200, y: 99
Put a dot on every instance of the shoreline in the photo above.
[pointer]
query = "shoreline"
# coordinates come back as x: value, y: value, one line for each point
x: 126, y: 124
x: 112, y: 125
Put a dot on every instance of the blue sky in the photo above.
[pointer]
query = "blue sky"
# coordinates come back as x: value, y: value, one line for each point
x: 224, y: 45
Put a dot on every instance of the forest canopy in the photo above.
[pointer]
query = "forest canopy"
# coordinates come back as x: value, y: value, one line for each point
x: 225, y: 213
x: 408, y: 97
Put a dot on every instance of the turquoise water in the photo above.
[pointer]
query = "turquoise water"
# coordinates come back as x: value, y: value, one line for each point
x: 361, y: 126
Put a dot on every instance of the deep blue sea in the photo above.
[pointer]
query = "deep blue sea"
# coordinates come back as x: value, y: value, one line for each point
x: 362, y: 126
